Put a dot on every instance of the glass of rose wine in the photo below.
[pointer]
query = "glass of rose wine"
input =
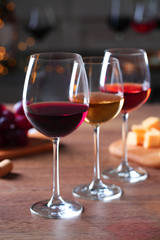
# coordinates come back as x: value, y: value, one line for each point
x: 144, y: 19
x: 136, y: 83
x: 52, y: 82
x: 103, y: 106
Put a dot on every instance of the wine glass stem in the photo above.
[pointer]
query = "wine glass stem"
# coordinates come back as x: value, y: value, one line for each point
x: 96, y: 154
x: 56, y: 198
x: 124, y: 139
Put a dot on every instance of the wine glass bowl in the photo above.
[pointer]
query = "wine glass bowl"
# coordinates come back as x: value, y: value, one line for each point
x: 119, y: 16
x: 136, y: 85
x: 52, y: 81
x: 103, y: 106
x: 41, y: 21
x: 144, y: 20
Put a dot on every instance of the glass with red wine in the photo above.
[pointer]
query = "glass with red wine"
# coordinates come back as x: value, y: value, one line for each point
x: 52, y: 82
x: 136, y: 83
x: 144, y: 20
x: 103, y: 107
x: 41, y: 21
x: 119, y: 16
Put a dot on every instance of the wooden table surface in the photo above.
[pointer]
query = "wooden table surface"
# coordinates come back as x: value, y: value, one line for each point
x: 135, y: 216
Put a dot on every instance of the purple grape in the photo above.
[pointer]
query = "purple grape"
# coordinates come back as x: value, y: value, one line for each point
x: 15, y: 137
x: 10, y: 137
x: 13, y: 126
x: 2, y: 108
x: 18, y: 108
x: 21, y: 137
x: 22, y: 122
x: 6, y: 120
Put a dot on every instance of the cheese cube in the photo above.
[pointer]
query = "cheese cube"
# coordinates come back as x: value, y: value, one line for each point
x: 155, y: 130
x: 134, y: 138
x: 138, y: 128
x: 151, y: 139
x: 151, y: 122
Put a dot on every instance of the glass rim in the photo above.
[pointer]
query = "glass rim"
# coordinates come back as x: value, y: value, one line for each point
x: 111, y: 60
x: 126, y: 51
x: 59, y: 56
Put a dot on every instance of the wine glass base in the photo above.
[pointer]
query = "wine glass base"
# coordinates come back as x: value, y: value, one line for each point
x: 131, y: 175
x: 67, y: 209
x: 107, y: 193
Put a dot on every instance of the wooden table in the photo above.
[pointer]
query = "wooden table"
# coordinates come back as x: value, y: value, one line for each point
x: 135, y: 216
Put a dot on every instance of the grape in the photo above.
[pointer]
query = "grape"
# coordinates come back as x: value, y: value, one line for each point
x: 9, y: 137
x: 18, y: 108
x: 8, y: 114
x: 13, y: 126
x: 2, y: 108
x: 21, y: 137
x: 6, y: 120
x: 15, y: 137
x: 22, y: 122
x: 4, y: 123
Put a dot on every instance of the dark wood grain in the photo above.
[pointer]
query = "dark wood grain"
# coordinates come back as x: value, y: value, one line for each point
x: 135, y: 216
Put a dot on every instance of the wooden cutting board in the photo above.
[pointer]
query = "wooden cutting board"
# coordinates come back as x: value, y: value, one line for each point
x: 37, y: 143
x: 146, y: 157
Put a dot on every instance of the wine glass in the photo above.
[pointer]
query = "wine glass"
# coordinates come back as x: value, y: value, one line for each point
x: 119, y: 16
x: 41, y: 21
x: 52, y: 81
x: 103, y: 107
x: 136, y: 83
x: 144, y: 19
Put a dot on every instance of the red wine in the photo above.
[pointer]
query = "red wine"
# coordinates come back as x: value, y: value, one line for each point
x: 56, y: 119
x: 119, y: 24
x: 39, y: 33
x: 134, y: 95
x: 144, y: 27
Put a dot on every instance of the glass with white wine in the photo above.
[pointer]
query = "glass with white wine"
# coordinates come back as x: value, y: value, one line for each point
x: 103, y: 106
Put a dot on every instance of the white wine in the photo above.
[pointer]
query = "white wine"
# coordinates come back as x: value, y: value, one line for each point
x: 103, y: 107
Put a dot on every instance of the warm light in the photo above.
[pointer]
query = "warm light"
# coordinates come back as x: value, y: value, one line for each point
x: 22, y: 46
x: 27, y: 59
x: 12, y: 62
x: 2, y: 50
x: 49, y: 68
x: 30, y: 41
x: 1, y: 68
x: 1, y: 56
x: 59, y: 69
x: 2, y: 53
x: 5, y: 71
x: 129, y: 67
x: 34, y: 74
x: 1, y: 23
x: 10, y: 6
x: 6, y: 56
x: 25, y: 68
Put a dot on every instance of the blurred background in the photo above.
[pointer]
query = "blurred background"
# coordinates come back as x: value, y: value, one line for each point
x: 87, y: 27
